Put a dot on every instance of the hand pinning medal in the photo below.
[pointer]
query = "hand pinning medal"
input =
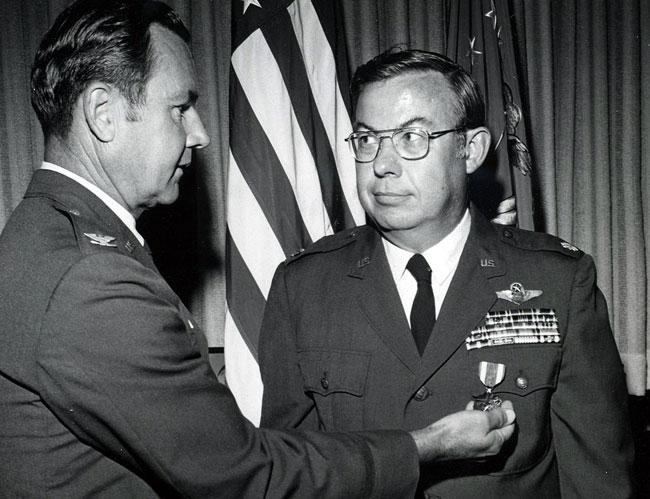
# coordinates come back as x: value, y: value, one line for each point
x: 490, y: 374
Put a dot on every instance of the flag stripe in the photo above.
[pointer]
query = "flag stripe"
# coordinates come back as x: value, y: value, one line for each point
x: 290, y: 62
x: 242, y: 372
x: 291, y: 178
x: 311, y: 39
x: 331, y: 22
x: 245, y: 301
x: 259, y: 248
x: 269, y: 183
x: 270, y: 100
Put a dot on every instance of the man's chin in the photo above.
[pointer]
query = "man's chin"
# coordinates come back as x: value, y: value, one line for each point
x: 389, y: 224
x: 170, y: 196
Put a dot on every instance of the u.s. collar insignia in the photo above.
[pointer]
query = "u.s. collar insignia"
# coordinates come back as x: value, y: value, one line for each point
x: 518, y: 294
x: 101, y: 240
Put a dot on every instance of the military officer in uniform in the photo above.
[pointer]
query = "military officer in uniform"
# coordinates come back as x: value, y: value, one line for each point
x: 430, y: 304
x: 105, y: 386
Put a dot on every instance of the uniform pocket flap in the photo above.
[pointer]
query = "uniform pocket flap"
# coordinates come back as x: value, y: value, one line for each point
x: 526, y: 370
x: 331, y: 371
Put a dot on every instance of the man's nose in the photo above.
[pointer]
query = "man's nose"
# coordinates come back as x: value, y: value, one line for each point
x: 388, y: 161
x: 197, y: 137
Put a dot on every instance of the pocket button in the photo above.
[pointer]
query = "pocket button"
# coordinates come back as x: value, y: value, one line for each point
x: 422, y: 394
x: 324, y: 382
x: 521, y: 382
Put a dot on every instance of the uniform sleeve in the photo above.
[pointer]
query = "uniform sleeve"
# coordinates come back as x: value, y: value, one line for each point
x: 120, y: 365
x: 589, y: 414
x: 285, y: 403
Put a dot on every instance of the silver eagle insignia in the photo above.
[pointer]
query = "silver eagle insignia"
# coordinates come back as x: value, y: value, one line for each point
x: 101, y: 240
x: 568, y: 246
x: 518, y: 294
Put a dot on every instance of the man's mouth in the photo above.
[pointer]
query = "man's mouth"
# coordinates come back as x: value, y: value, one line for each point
x: 389, y: 197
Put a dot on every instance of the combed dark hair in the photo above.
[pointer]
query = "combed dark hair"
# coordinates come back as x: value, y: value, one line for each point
x: 470, y: 105
x: 105, y: 40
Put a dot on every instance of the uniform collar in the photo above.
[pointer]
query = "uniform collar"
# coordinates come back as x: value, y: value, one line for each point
x: 119, y: 210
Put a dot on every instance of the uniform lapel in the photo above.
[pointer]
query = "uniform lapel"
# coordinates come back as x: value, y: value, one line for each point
x: 379, y: 299
x: 469, y: 298
x: 80, y: 202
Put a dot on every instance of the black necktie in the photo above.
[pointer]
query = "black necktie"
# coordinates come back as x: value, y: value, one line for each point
x: 423, y: 313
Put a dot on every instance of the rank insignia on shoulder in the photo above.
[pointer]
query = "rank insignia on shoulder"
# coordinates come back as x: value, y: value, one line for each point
x: 101, y: 240
x: 518, y: 294
x: 568, y: 246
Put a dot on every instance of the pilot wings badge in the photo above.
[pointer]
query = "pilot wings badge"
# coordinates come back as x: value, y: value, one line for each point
x: 100, y: 239
x: 518, y: 294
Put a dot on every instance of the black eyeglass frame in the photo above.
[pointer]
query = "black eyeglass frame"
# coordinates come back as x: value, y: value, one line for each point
x: 393, y: 132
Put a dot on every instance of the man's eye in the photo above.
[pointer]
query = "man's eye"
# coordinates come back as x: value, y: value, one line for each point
x: 365, y: 140
x: 411, y: 137
x: 179, y: 111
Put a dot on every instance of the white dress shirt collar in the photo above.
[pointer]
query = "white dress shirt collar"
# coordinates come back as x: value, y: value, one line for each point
x: 443, y: 257
x: 119, y: 210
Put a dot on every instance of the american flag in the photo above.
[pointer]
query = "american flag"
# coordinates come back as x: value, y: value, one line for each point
x: 291, y: 179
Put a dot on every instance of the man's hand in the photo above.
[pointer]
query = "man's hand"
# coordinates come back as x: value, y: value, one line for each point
x: 468, y: 434
x: 506, y: 212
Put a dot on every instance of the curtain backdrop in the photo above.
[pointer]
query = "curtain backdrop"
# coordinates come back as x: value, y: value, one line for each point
x: 586, y: 68
x: 583, y: 71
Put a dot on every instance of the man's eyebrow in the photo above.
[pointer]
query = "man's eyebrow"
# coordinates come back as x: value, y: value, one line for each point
x: 188, y: 99
x: 405, y: 124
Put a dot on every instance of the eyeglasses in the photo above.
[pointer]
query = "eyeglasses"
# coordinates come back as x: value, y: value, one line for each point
x: 410, y: 143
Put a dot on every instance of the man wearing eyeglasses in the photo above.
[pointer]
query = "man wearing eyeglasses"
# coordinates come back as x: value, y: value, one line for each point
x: 403, y: 320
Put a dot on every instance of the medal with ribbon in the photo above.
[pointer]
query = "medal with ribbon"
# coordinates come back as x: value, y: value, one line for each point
x: 490, y: 374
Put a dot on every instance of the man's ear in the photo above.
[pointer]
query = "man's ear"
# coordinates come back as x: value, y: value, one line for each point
x: 477, y: 146
x: 99, y: 105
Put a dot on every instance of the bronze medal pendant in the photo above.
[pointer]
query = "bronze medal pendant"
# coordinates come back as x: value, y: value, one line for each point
x: 490, y: 374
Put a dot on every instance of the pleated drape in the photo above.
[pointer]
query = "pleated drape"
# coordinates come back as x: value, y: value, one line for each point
x: 588, y: 99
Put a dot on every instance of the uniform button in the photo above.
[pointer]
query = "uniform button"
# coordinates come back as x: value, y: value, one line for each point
x: 521, y: 382
x: 324, y: 382
x: 422, y: 394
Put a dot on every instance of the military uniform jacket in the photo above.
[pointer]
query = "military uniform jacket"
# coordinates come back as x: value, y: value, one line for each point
x: 105, y: 386
x: 336, y: 353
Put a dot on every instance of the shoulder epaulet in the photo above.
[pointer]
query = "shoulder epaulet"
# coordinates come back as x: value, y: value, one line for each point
x: 90, y: 237
x: 537, y: 241
x: 328, y: 243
